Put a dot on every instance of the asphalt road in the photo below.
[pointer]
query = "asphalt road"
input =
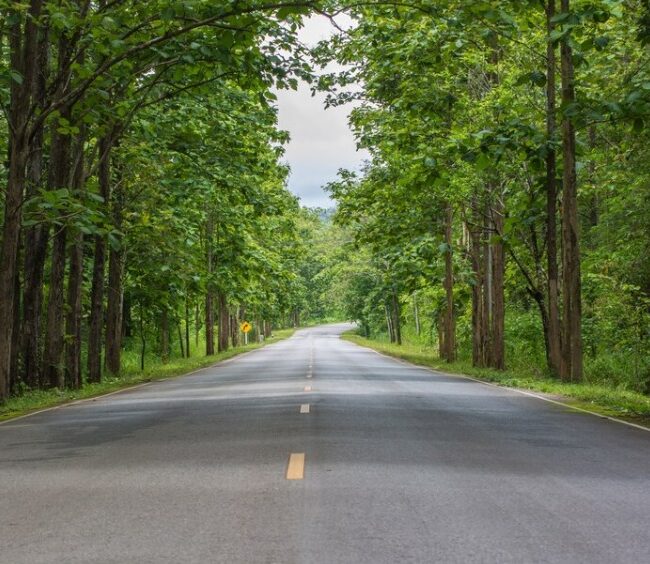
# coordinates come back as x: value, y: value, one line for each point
x: 400, y: 465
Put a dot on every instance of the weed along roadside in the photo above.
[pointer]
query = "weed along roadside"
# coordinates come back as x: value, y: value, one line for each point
x: 623, y: 404
x: 38, y: 400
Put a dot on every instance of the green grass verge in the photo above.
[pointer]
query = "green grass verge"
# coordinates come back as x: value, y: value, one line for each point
x: 42, y: 399
x: 601, y: 399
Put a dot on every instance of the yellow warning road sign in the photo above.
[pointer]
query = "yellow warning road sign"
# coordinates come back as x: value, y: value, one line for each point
x: 245, y: 326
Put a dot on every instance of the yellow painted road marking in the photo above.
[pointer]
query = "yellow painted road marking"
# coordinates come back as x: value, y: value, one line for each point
x: 296, y: 468
x: 307, y: 388
x: 304, y: 408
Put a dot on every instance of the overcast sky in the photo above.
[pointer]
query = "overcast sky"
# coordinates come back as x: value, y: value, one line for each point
x: 321, y: 142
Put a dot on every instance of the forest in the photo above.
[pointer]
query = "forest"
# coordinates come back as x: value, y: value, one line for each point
x: 501, y: 218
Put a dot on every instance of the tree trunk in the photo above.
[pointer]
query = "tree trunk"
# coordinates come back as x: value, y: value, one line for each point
x: 75, y: 280
x: 58, y: 177
x: 397, y: 317
x: 35, y: 240
x: 497, y: 354
x: 224, y: 322
x: 53, y: 371
x: 475, y: 251
x: 115, y: 291
x: 234, y: 329
x: 143, y: 339
x: 180, y: 339
x: 187, y: 328
x: 209, y: 297
x: 416, y: 314
x: 164, y: 336
x: 554, y: 331
x: 570, y: 228
x: 73, y: 316
x: 96, y: 323
x: 449, y: 324
x: 23, y: 61
x: 14, y: 374
x: 389, y: 325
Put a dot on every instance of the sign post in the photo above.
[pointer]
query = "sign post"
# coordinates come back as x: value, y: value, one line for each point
x: 245, y: 327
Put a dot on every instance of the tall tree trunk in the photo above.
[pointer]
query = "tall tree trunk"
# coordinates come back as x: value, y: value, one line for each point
x: 389, y: 325
x: 115, y: 293
x: 234, y: 329
x: 143, y: 339
x: 58, y: 177
x: 209, y: 296
x: 181, y: 342
x: 35, y: 240
x: 187, y: 327
x: 475, y: 251
x: 14, y: 374
x: 164, y: 336
x: 397, y: 317
x: 96, y: 323
x: 73, y: 316
x: 224, y: 322
x: 449, y: 320
x: 554, y: 330
x: 487, y: 288
x: 416, y: 314
x: 23, y: 61
x: 75, y: 281
x: 53, y: 368
x: 497, y: 354
x: 570, y: 227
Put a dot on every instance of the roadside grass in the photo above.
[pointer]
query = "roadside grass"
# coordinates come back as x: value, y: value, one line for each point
x: 610, y: 402
x: 132, y: 376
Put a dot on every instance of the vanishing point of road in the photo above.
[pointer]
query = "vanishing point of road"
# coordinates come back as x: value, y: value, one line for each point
x: 315, y: 450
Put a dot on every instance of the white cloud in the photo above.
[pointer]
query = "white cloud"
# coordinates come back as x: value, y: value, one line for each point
x: 321, y: 142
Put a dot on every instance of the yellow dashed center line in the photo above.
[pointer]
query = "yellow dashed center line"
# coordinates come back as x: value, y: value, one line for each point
x: 296, y: 467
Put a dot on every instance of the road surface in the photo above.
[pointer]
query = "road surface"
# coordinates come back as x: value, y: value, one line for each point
x: 391, y: 463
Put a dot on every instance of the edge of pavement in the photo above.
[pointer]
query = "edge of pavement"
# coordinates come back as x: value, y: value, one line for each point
x: 135, y: 385
x: 531, y: 394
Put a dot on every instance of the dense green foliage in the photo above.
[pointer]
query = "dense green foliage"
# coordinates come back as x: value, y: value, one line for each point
x: 145, y: 205
x: 454, y: 111
x: 502, y: 216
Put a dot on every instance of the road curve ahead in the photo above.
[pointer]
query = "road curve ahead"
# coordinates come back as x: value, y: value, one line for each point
x: 314, y: 450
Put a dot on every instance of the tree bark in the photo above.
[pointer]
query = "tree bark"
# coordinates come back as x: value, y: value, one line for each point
x: 209, y: 296
x: 73, y: 321
x: 115, y: 291
x: 53, y: 368
x: 570, y: 227
x: 497, y: 354
x: 449, y: 323
x: 396, y: 317
x: 187, y: 327
x: 14, y: 374
x: 181, y: 342
x: 554, y: 330
x: 23, y: 48
x: 416, y: 314
x: 75, y: 282
x: 164, y: 336
x: 96, y: 323
x: 234, y: 329
x: 224, y: 322
x: 475, y: 251
x: 35, y: 240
